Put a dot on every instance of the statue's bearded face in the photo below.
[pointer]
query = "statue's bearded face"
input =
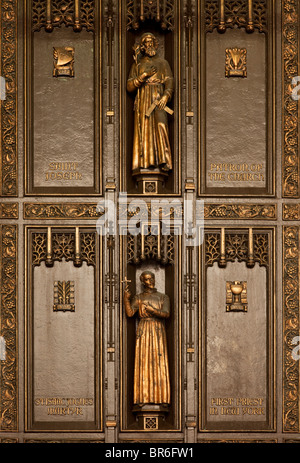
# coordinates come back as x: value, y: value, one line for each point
x: 148, y: 46
x: 149, y: 280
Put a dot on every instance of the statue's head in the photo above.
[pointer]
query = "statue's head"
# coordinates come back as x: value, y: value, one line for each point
x: 148, y: 44
x: 148, y: 279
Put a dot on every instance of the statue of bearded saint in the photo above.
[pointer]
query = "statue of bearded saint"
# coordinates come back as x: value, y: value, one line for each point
x: 151, y: 367
x: 152, y: 80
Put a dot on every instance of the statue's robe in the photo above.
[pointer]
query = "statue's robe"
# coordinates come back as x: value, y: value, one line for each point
x: 151, y: 145
x: 151, y: 367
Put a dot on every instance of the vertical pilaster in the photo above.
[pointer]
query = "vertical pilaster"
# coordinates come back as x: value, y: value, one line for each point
x: 110, y: 141
x: 189, y: 255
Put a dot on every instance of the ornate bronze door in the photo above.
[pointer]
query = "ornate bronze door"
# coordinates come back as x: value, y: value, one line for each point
x: 149, y: 235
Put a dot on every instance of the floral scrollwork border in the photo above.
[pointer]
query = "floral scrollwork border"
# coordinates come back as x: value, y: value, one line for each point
x: 290, y: 65
x: 291, y: 271
x: 62, y: 211
x: 8, y: 328
x: 8, y: 130
x: 240, y: 211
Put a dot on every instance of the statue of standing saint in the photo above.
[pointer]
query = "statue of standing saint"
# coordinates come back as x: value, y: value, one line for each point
x: 152, y: 80
x: 151, y: 367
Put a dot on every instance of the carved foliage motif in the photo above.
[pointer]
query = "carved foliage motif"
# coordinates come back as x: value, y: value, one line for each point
x: 89, y: 210
x: 63, y: 247
x: 237, y: 248
x: 87, y: 246
x: 291, y: 212
x: 291, y: 275
x: 161, y: 11
x: 238, y: 441
x: 212, y: 249
x: 8, y: 328
x: 39, y: 248
x: 62, y: 13
x: 290, y: 53
x: 62, y: 211
x: 151, y: 211
x: 261, y: 249
x: 8, y: 52
x: 9, y: 210
x: 38, y: 14
x: 62, y: 441
x: 240, y: 211
x: 236, y: 14
x: 143, y: 247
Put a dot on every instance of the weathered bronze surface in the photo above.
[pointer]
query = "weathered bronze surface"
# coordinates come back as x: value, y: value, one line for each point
x: 217, y: 121
x: 151, y: 367
x: 152, y: 79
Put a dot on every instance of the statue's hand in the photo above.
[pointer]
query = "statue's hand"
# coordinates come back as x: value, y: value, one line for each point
x: 143, y: 311
x: 150, y: 310
x: 127, y: 295
x: 162, y: 102
x: 152, y: 71
x: 148, y: 73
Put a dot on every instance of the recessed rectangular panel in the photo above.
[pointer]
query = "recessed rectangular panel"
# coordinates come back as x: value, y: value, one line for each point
x: 235, y: 110
x: 236, y: 350
x: 236, y: 97
x: 62, y: 104
x: 63, y: 336
x: 63, y: 351
x: 63, y: 138
x: 237, y: 341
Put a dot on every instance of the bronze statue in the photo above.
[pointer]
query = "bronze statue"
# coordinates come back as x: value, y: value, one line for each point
x: 151, y: 77
x: 151, y: 367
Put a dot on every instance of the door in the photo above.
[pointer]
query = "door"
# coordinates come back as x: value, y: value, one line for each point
x: 149, y: 236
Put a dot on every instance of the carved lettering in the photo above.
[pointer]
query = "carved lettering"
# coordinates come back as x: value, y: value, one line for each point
x: 61, y: 406
x: 46, y: 401
x: 64, y: 411
x: 63, y: 171
x: 242, y: 172
x: 237, y: 406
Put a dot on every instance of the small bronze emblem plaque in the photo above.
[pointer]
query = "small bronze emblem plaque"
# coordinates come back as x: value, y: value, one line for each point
x: 236, y: 62
x: 64, y: 299
x: 63, y: 61
x: 236, y: 296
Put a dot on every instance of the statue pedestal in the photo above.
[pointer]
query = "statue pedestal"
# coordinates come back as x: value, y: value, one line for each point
x: 151, y: 416
x: 150, y: 181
